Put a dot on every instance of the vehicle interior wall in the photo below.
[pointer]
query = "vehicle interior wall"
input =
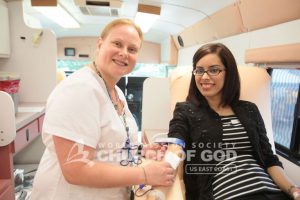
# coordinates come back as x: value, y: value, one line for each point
x: 286, y: 33
x: 35, y: 63
x: 85, y: 48
x: 237, y: 18
x: 33, y: 60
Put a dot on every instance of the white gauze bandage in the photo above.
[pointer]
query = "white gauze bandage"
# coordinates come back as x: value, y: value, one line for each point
x: 173, y: 159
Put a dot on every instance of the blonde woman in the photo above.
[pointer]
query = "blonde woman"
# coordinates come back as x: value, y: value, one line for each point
x: 89, y: 132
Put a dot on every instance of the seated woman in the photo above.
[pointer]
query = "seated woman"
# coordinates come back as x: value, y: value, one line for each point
x: 227, y: 152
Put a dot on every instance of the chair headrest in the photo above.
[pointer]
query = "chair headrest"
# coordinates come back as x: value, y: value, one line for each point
x: 7, y: 119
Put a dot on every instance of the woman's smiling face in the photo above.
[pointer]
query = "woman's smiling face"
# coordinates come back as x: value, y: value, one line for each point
x: 210, y: 86
x: 118, y: 51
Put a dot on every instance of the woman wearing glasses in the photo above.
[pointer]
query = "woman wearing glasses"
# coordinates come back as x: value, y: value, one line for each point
x: 228, y: 155
x: 90, y: 134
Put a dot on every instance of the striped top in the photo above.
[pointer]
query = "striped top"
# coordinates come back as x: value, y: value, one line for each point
x: 239, y: 174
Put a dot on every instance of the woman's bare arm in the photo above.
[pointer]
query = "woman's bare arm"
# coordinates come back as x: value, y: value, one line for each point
x: 79, y: 168
x: 281, y: 179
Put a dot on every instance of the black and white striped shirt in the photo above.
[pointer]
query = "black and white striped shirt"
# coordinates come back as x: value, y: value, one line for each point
x: 246, y: 176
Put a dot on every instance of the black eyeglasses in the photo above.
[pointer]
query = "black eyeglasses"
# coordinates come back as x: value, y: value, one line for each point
x: 211, y: 71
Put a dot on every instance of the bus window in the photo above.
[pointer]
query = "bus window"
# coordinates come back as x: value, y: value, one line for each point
x: 284, y: 97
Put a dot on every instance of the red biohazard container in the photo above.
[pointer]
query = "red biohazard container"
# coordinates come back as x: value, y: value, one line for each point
x: 10, y: 83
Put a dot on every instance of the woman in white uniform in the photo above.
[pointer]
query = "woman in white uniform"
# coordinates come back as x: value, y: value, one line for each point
x: 89, y: 131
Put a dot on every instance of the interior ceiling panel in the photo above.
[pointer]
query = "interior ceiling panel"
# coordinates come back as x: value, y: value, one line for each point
x: 176, y: 15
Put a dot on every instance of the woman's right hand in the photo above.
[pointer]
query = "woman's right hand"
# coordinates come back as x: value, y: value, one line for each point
x: 159, y: 173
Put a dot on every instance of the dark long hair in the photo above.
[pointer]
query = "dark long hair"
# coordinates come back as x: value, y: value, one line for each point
x: 231, y: 89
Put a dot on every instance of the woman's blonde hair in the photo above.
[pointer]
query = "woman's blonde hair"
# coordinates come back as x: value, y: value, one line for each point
x: 118, y: 22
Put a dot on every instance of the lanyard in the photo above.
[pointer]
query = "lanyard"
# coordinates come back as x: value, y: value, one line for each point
x: 124, y: 122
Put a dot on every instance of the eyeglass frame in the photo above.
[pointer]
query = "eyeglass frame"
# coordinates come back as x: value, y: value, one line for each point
x: 208, y: 71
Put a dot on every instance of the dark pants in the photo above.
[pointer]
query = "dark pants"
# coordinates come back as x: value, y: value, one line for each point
x: 266, y: 196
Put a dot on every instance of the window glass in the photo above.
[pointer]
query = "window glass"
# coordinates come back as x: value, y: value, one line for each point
x: 140, y: 70
x: 70, y: 66
x: 284, y: 92
x: 150, y: 70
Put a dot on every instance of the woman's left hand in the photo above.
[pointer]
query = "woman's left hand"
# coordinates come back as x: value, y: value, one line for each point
x: 154, y: 151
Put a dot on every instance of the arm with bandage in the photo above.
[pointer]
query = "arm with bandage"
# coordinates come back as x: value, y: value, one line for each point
x: 173, y: 156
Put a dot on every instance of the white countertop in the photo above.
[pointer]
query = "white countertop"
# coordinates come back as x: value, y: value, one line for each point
x: 27, y: 112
